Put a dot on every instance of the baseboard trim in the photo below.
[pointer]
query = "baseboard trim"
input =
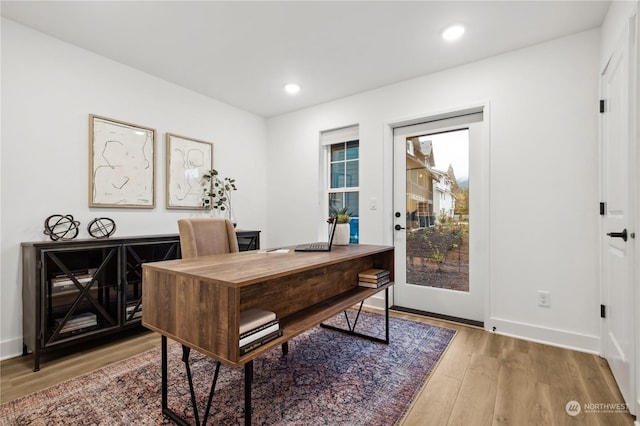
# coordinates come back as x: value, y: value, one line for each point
x: 10, y: 348
x: 548, y: 336
x: 438, y: 316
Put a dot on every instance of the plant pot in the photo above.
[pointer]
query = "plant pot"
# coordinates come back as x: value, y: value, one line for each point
x: 342, y: 234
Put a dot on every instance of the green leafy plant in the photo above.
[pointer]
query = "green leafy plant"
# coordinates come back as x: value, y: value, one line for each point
x: 343, y: 215
x: 443, y: 218
x: 439, y: 258
x: 217, y: 191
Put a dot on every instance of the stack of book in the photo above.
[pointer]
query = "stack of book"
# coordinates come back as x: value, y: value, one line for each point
x: 257, y: 327
x: 374, y: 277
x: 64, y: 284
x: 130, y: 309
x: 78, y: 322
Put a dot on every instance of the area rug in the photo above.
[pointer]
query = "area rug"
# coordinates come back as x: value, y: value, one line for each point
x: 327, y: 378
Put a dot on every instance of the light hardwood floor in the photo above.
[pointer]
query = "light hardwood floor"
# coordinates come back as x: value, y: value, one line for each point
x: 482, y: 379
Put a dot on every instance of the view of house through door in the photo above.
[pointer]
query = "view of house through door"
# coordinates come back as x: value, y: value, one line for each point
x: 436, y: 187
x: 437, y: 210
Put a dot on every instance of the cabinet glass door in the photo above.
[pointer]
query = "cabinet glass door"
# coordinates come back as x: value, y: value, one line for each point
x: 134, y: 256
x: 80, y: 292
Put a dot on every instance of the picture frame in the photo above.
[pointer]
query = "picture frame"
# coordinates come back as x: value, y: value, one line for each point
x: 187, y: 160
x: 122, y: 159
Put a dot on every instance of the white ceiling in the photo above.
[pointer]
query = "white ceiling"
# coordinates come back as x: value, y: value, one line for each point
x: 243, y: 53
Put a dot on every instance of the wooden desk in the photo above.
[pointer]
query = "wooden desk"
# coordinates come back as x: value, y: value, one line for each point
x: 198, y: 301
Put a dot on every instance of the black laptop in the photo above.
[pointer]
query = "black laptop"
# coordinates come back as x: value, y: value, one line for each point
x: 320, y: 246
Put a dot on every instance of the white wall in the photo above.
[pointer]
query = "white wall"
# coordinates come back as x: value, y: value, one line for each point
x: 543, y: 152
x: 48, y: 90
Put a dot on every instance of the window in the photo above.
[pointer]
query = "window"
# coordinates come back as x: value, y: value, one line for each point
x: 344, y: 165
x: 342, y: 148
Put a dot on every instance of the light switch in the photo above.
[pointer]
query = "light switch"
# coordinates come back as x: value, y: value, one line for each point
x: 373, y: 203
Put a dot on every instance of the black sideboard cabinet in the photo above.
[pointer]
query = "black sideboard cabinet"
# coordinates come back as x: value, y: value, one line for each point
x: 80, y: 290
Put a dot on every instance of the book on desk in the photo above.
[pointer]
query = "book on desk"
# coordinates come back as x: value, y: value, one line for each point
x: 257, y: 327
x: 374, y: 277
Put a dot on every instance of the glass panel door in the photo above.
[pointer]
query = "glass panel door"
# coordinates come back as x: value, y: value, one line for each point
x: 439, y: 231
x: 134, y: 256
x: 81, y: 292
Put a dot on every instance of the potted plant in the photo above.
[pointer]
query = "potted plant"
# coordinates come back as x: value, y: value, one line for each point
x: 343, y: 229
x: 217, y: 193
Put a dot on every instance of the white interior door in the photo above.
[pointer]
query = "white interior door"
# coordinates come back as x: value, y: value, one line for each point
x: 617, y: 245
x: 423, y: 220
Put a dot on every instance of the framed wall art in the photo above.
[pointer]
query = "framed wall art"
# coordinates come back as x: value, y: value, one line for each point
x: 187, y: 160
x: 122, y: 160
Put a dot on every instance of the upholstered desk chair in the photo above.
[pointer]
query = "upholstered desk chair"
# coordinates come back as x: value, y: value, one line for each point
x: 206, y: 236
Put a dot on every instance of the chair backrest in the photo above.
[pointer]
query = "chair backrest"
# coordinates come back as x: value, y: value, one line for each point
x: 206, y: 236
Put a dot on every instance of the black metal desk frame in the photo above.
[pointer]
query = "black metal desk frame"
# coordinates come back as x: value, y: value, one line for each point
x: 248, y: 369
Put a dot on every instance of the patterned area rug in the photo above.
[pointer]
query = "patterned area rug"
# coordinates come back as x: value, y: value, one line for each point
x: 327, y: 378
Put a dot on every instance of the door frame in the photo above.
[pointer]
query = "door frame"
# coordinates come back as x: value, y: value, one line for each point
x: 634, y: 128
x: 635, y: 141
x: 482, y: 197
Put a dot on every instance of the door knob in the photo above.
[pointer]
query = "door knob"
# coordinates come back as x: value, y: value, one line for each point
x: 622, y: 234
x: 398, y: 227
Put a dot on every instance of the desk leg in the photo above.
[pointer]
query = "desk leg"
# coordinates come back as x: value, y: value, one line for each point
x: 248, y: 379
x: 164, y: 373
x: 185, y: 358
x: 165, y: 406
x: 351, y: 328
x: 386, y: 314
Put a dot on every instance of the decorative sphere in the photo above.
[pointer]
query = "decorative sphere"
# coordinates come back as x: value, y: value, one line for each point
x: 101, y: 227
x: 59, y: 227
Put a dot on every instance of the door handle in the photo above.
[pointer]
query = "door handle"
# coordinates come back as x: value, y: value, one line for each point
x: 622, y: 234
x: 398, y: 227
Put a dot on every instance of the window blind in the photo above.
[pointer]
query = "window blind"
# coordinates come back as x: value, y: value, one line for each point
x: 342, y: 134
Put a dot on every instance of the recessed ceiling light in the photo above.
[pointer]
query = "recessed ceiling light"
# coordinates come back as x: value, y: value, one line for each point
x: 453, y: 32
x: 292, y: 88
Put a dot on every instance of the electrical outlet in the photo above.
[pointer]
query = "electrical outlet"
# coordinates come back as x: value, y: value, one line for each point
x: 544, y: 298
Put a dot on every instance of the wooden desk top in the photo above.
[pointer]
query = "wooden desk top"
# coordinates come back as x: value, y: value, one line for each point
x: 247, y: 268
